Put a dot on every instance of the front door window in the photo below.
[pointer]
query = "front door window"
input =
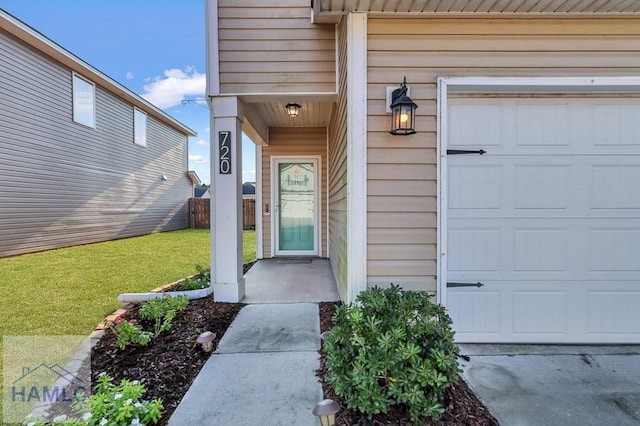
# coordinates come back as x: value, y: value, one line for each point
x: 296, y: 214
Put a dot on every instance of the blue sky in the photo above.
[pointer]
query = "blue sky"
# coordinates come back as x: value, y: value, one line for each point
x: 156, y: 48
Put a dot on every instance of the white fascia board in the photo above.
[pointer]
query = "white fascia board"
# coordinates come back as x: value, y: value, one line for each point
x: 356, y: 154
x: 541, y: 84
x: 212, y: 48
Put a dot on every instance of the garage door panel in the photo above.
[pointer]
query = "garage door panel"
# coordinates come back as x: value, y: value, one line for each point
x: 542, y: 125
x: 540, y: 311
x: 473, y: 249
x: 476, y: 312
x: 480, y: 186
x: 513, y: 249
x: 614, y: 312
x: 540, y: 250
x: 547, y: 312
x: 548, y: 220
x: 616, y: 125
x: 539, y: 187
x: 614, y: 250
x: 615, y: 186
x: 475, y: 127
x: 542, y: 186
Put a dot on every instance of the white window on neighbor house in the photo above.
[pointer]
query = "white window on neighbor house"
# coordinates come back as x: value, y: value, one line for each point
x: 139, y: 127
x: 84, y: 101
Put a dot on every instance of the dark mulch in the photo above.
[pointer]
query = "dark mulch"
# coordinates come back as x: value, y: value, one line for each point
x: 463, y: 408
x: 170, y: 363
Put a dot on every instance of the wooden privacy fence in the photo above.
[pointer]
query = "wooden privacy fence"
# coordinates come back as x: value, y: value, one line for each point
x: 200, y: 213
x: 248, y: 214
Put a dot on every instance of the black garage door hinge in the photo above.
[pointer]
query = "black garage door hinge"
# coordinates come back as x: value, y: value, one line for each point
x: 465, y: 285
x: 465, y: 151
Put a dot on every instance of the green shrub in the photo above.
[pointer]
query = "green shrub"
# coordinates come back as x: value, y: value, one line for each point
x: 128, y: 332
x: 392, y: 347
x: 162, y: 311
x: 197, y: 282
x: 111, y: 404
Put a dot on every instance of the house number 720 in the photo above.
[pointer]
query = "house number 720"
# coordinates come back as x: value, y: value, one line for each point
x: 224, y: 150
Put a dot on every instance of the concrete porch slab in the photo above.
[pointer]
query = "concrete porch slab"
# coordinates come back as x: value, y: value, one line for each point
x: 290, y: 280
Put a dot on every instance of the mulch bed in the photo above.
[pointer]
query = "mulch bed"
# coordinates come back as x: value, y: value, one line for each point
x: 462, y: 406
x: 171, y: 362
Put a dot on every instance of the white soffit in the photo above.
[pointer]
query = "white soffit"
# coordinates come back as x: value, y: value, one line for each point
x: 331, y: 10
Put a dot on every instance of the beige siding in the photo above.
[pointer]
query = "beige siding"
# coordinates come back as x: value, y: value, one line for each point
x: 402, y: 170
x: 299, y: 141
x: 338, y: 172
x: 271, y: 46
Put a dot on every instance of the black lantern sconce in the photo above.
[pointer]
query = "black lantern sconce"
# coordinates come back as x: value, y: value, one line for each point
x: 403, y: 111
x: 293, y: 109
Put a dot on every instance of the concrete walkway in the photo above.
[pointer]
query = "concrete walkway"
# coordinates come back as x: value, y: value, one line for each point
x: 548, y: 385
x: 263, y: 372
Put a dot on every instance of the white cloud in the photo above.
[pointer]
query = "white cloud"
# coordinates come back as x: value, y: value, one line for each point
x: 249, y: 175
x: 197, y: 159
x: 130, y: 75
x: 174, y: 87
x: 207, y: 129
x: 202, y: 142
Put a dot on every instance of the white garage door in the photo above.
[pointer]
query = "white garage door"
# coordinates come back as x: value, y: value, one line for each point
x: 547, y: 220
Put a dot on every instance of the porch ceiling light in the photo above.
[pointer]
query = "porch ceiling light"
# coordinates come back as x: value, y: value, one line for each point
x: 326, y: 411
x: 403, y: 111
x: 293, y: 109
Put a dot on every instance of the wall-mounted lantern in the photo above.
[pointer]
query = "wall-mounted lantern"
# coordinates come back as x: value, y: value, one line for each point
x: 293, y: 109
x: 403, y: 111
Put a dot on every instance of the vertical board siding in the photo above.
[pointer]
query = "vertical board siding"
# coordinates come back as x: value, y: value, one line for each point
x: 271, y: 46
x: 295, y: 141
x: 64, y: 184
x: 402, y: 170
x: 338, y: 171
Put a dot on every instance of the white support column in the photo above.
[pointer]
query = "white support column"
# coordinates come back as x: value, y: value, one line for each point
x: 356, y: 154
x: 226, y: 201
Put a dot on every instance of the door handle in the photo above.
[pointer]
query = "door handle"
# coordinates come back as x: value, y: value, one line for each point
x: 478, y: 284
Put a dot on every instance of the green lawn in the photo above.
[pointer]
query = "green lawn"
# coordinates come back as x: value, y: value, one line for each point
x: 69, y: 291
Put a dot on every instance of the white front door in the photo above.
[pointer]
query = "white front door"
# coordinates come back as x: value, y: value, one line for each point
x: 295, y: 191
x: 547, y: 220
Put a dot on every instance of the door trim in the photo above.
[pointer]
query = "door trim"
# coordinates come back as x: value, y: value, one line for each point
x: 471, y: 85
x: 274, y: 161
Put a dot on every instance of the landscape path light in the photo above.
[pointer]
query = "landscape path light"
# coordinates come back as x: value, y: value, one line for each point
x: 326, y: 411
x: 206, y: 340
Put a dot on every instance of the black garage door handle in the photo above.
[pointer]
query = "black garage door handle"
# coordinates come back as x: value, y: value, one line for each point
x: 465, y: 285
